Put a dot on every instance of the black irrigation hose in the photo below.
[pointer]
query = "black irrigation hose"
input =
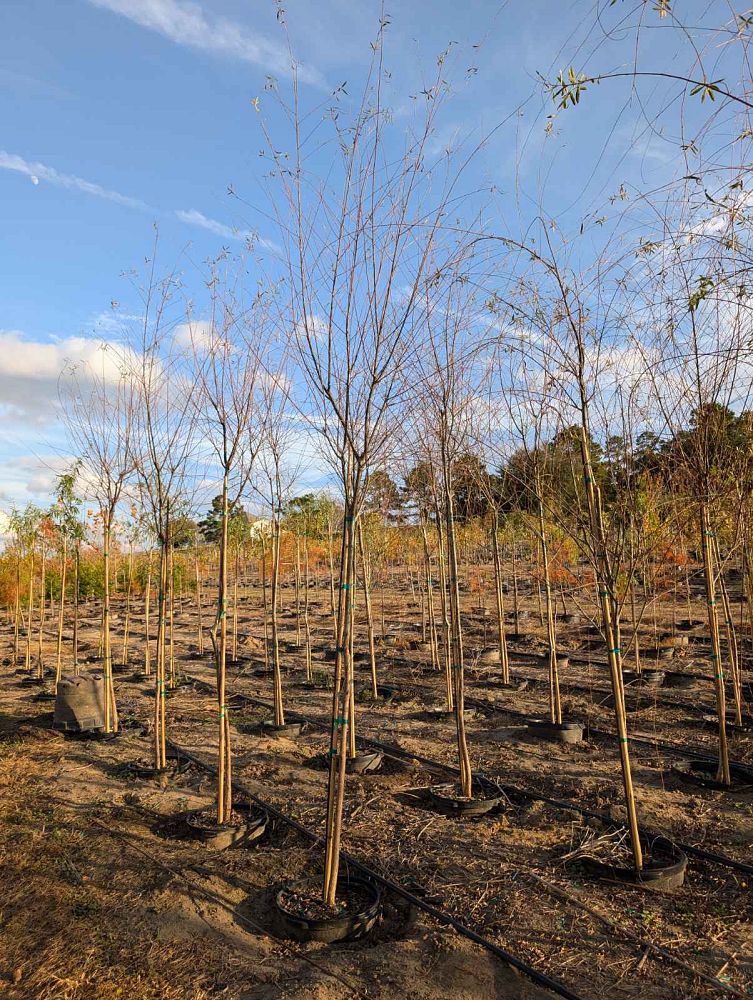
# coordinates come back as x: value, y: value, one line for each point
x: 698, y: 852
x: 673, y: 748
x: 540, y: 978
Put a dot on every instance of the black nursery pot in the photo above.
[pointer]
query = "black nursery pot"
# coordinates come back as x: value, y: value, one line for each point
x: 385, y: 692
x: 558, y: 732
x: 647, y: 678
x: 220, y: 836
x: 364, y: 763
x: 356, y: 921
x: 664, y: 871
x: 444, y: 800
x: 712, y: 722
x: 290, y: 729
x: 679, y: 681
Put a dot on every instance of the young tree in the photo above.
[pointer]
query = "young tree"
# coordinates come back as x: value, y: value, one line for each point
x: 228, y: 355
x: 65, y: 515
x: 99, y: 411
x: 359, y: 249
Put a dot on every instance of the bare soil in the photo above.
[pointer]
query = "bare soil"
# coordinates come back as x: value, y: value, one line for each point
x: 100, y: 902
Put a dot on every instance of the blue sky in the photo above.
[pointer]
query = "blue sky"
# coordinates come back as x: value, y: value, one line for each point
x: 119, y: 114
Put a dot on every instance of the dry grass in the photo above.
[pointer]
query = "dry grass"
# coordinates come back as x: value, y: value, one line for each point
x: 74, y: 920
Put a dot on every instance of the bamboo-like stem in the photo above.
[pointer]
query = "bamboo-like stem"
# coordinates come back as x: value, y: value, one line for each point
x: 732, y: 648
x: 445, y: 609
x: 76, y: 584
x: 466, y: 775
x: 306, y: 618
x: 147, y: 609
x: 723, y: 772
x: 61, y: 611
x: 279, y: 713
x: 433, y: 640
x: 30, y: 610
x: 17, y: 612
x: 40, y: 630
x: 199, y: 603
x: 264, y: 600
x: 501, y: 631
x: 340, y: 703
x: 127, y: 622
x: 366, y: 581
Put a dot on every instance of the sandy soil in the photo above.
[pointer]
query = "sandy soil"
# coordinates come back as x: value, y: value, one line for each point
x: 104, y: 898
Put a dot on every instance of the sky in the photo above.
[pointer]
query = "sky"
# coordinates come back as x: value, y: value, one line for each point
x: 119, y: 116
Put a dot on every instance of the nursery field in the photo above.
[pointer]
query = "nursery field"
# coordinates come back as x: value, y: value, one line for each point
x: 111, y: 891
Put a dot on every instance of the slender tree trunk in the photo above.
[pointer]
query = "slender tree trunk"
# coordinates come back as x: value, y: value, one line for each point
x: 30, y: 612
x: 614, y: 653
x: 430, y: 596
x: 127, y: 623
x: 264, y: 598
x: 340, y: 705
x: 733, y: 652
x: 160, y: 736
x: 17, y: 614
x: 501, y: 632
x: 274, y: 595
x: 147, y: 608
x: 111, y: 713
x: 236, y: 574
x: 466, y: 784
x: 366, y: 574
x: 445, y: 609
x: 723, y: 772
x: 330, y: 555
x: 218, y: 636
x: 555, y: 705
x: 40, y: 633
x: 297, y: 579
x: 306, y: 619
x: 199, y: 610
x: 171, y: 610
x: 76, y: 585
x: 61, y: 613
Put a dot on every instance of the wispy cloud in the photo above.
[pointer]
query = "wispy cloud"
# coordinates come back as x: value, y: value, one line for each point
x: 40, y: 172
x: 193, y: 217
x: 185, y: 23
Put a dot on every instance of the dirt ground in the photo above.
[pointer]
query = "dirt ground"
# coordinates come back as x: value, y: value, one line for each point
x: 105, y: 896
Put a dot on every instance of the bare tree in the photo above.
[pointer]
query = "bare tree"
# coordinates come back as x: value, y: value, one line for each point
x: 228, y: 350
x: 99, y: 411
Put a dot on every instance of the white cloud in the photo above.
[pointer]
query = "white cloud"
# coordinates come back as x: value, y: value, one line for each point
x: 40, y: 172
x: 193, y: 217
x: 185, y: 23
x: 30, y: 369
x: 195, y: 333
